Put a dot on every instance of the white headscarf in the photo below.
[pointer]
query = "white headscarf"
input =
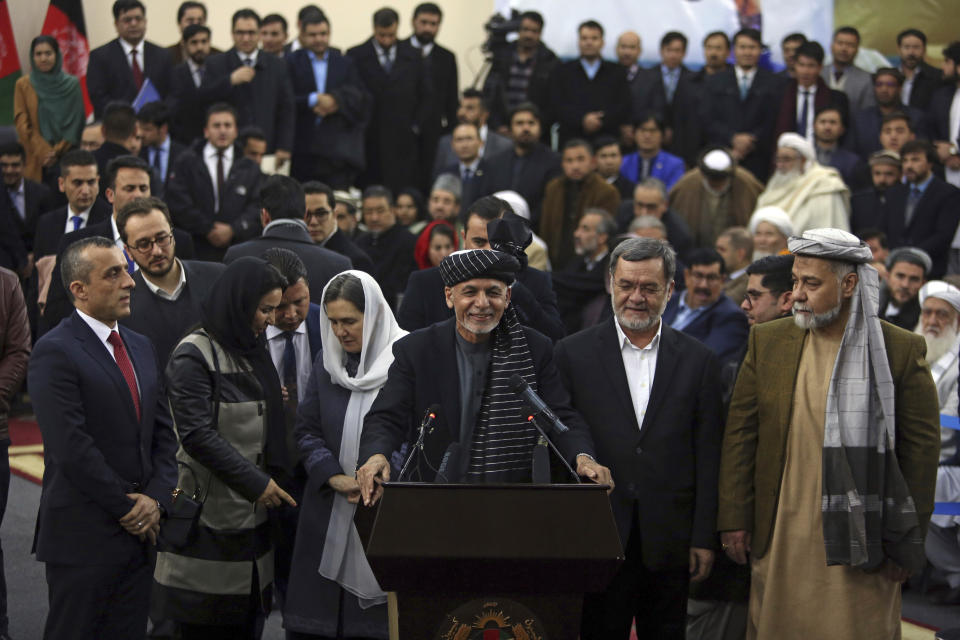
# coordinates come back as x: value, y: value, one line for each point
x: 775, y: 216
x: 799, y: 144
x: 941, y: 290
x: 344, y: 560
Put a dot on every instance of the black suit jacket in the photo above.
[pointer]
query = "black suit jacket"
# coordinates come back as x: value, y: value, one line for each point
x: 573, y: 95
x: 340, y: 243
x: 266, y: 101
x: 648, y: 95
x: 392, y: 255
x: 322, y: 264
x: 109, y: 76
x: 176, y: 148
x: 186, y: 105
x: 852, y: 169
x: 424, y: 302
x: 530, y: 174
x: 925, y: 85
x: 440, y: 68
x: 665, y: 469
x: 37, y: 200
x: 489, y: 178
x: 424, y: 373
x: 96, y: 449
x: 51, y: 227
x: 939, y: 111
x: 864, y: 136
x: 866, y: 210
x: 338, y: 137
x: 190, y: 195
x: 932, y: 226
x: 724, y: 114
x: 401, y: 102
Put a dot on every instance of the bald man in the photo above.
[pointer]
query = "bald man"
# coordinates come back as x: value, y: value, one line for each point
x: 629, y: 48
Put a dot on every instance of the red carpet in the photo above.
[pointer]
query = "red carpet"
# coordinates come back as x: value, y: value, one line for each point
x: 26, y: 449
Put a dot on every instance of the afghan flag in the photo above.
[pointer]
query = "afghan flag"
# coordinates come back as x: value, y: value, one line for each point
x: 9, y: 65
x: 65, y: 22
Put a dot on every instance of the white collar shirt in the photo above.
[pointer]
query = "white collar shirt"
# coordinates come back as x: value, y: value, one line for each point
x: 83, y: 215
x: 128, y: 48
x: 640, y: 366
x: 277, y: 341
x: 103, y: 332
x: 160, y: 293
x: 210, y: 159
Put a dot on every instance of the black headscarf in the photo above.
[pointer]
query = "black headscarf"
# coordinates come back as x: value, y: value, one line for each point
x: 228, y: 317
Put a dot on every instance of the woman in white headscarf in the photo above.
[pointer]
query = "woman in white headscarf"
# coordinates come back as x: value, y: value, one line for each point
x: 332, y: 591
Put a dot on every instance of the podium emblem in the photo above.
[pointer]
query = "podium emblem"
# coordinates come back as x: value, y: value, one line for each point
x: 499, y: 619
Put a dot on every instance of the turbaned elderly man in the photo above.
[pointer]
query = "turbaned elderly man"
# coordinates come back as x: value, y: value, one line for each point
x: 814, y: 196
x: 829, y: 458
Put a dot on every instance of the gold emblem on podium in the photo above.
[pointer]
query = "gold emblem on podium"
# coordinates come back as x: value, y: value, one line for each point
x: 491, y: 620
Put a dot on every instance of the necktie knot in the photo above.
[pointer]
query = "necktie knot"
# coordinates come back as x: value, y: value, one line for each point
x: 288, y: 335
x: 248, y: 61
x: 114, y: 340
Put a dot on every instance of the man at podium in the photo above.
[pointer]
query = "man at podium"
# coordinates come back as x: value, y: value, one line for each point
x: 458, y: 372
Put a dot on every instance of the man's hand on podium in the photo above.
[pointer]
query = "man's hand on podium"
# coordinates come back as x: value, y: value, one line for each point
x: 587, y: 467
x: 348, y: 487
x: 371, y: 477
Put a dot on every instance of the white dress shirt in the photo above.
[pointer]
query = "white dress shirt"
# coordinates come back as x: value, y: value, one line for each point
x: 84, y: 218
x: 742, y: 74
x: 128, y: 48
x: 640, y: 366
x: 301, y: 345
x: 103, y: 332
x: 210, y: 159
x: 252, y: 55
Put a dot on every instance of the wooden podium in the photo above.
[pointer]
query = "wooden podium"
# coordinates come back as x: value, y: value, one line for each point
x: 492, y: 561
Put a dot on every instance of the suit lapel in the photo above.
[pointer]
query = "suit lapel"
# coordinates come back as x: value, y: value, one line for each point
x: 667, y: 358
x: 98, y: 353
x: 449, y: 385
x: 612, y: 362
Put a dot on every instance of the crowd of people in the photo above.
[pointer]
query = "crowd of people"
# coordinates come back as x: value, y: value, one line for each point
x: 737, y: 288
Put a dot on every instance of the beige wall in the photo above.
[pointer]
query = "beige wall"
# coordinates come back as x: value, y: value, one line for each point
x: 461, y: 31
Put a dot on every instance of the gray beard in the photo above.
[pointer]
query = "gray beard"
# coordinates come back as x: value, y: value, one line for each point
x: 781, y: 180
x: 938, y: 346
x: 641, y: 325
x: 818, y: 320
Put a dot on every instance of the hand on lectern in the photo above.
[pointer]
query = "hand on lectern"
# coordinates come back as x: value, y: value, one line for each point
x: 371, y: 476
x: 587, y: 467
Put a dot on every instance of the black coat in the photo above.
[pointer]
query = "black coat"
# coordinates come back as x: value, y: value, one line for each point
x: 866, y: 210
x: 648, y: 95
x: 342, y: 244
x: 678, y: 232
x: 424, y: 373
x: 932, y: 226
x: 188, y: 109
x: 109, y: 76
x: 37, y: 200
x: 393, y: 261
x: 724, y: 114
x: 665, y: 469
x: 176, y: 148
x: 322, y: 264
x: 864, y: 136
x: 266, y: 101
x: 852, y: 169
x: 572, y: 95
x: 401, y: 102
x: 495, y: 85
x: 939, y: 113
x: 51, y: 227
x: 424, y: 302
x: 925, y: 85
x: 440, y: 67
x: 338, y: 137
x: 493, y: 146
x: 190, y: 195
x: 489, y: 178
x: 530, y: 174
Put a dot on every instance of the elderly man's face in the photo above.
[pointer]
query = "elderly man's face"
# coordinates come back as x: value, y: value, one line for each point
x: 478, y: 305
x: 768, y: 239
x: 817, y: 293
x: 378, y: 214
x: 788, y: 161
x: 938, y: 317
x: 648, y: 202
x: 640, y: 293
x: 628, y: 48
x: 905, y: 281
x: 443, y: 205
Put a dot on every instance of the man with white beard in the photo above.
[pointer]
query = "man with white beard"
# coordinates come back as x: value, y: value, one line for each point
x: 814, y: 196
x: 939, y: 324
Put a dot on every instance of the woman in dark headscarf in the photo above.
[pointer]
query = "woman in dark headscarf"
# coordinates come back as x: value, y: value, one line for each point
x: 411, y: 209
x: 47, y: 108
x: 227, y: 407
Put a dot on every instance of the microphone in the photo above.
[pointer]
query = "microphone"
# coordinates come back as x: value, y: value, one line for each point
x: 520, y: 387
x: 426, y: 425
x: 450, y: 464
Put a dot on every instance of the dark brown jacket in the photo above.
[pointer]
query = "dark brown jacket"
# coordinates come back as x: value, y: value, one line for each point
x: 15, y: 333
x: 595, y: 192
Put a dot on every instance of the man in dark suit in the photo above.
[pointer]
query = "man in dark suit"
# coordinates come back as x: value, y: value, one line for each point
x: 533, y: 297
x: 213, y: 190
x: 589, y: 95
x: 389, y: 245
x: 159, y: 149
x: 530, y: 163
x: 472, y: 110
x: 667, y: 91
x: 829, y: 126
x: 186, y: 78
x: 109, y: 451
x: 478, y: 177
x: 660, y: 430
x: 331, y: 119
x: 118, y: 69
x: 924, y: 211
x: 944, y: 130
x: 579, y: 286
x: 257, y: 86
x: 323, y: 229
x: 120, y: 138
x: 282, y: 207
x: 23, y: 200
x: 704, y: 311
x: 866, y: 205
x: 428, y: 368
x: 608, y: 158
x: 864, y: 136
x: 189, y: 13
x: 440, y: 67
x: 650, y: 199
x: 921, y: 80
x: 806, y: 93
x: 165, y: 303
x: 739, y: 106
x: 394, y: 75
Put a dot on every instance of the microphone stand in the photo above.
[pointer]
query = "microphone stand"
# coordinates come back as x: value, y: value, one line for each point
x: 417, y: 447
x: 544, y: 440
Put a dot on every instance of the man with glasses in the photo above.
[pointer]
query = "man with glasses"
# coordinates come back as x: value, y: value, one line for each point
x: 322, y: 225
x: 165, y: 301
x: 703, y: 311
x: 650, y: 199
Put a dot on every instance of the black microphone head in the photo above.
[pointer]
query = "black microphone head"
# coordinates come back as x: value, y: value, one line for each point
x: 517, y: 384
x: 433, y: 410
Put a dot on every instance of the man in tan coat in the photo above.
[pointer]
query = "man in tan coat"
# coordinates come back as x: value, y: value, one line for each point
x: 830, y: 512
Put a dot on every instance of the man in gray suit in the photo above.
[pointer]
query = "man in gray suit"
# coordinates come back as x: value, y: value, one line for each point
x: 842, y: 75
x: 473, y: 110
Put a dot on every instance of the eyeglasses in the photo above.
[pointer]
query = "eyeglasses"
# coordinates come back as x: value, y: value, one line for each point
x: 753, y: 296
x: 320, y: 213
x: 708, y: 277
x: 645, y: 290
x: 146, y: 245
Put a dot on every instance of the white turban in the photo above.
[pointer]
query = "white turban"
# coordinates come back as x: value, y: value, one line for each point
x: 516, y: 202
x: 775, y: 216
x: 799, y: 144
x: 941, y: 290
